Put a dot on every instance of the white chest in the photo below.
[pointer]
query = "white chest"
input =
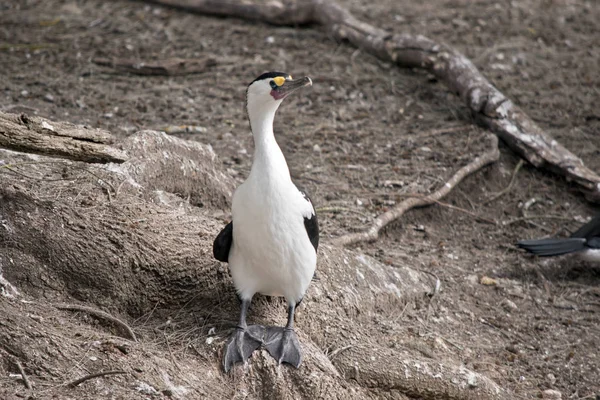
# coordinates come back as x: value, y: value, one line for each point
x: 271, y: 252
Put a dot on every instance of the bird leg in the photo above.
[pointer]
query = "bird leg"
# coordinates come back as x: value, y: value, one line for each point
x: 243, y: 340
x: 282, y: 343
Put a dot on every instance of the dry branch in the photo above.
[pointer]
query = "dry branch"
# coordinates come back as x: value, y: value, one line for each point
x: 489, y: 106
x: 384, y: 219
x: 167, y: 67
x: 100, y: 314
x: 57, y: 139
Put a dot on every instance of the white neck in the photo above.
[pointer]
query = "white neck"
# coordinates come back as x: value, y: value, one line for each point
x: 269, y: 161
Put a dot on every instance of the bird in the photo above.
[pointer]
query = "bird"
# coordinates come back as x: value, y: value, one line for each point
x: 585, y: 242
x: 272, y: 240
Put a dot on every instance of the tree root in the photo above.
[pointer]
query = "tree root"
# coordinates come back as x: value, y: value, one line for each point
x: 100, y: 314
x: 79, y: 381
x: 384, y: 219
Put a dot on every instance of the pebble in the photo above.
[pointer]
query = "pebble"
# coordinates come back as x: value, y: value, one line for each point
x: 551, y: 394
x: 487, y: 281
x: 508, y: 305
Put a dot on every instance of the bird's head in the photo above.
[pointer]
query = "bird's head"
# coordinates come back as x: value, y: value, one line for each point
x: 266, y: 92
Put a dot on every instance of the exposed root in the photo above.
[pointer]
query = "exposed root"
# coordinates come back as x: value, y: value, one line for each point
x: 92, y: 376
x: 100, y: 314
x: 384, y: 219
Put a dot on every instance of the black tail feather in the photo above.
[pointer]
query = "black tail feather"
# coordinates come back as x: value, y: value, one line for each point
x: 552, y: 247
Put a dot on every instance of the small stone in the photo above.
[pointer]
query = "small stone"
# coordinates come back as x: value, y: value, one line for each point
x: 49, y: 98
x: 473, y: 279
x: 472, y: 380
x: 270, y: 39
x: 317, y: 148
x: 508, y: 305
x: 551, y: 394
x: 551, y: 379
x: 209, y: 340
x: 212, y: 331
x: 24, y: 93
x: 487, y: 281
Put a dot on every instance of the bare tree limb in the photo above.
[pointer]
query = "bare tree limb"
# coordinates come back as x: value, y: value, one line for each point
x: 100, y: 314
x: 490, y: 107
x: 166, y: 67
x: 57, y: 139
x: 384, y: 219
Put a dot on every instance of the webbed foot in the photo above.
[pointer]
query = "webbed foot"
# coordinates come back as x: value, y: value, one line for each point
x: 282, y: 344
x: 241, y: 345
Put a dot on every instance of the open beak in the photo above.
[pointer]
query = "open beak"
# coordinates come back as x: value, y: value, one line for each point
x: 290, y: 86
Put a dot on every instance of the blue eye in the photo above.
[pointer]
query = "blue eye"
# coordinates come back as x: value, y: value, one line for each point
x: 273, y: 85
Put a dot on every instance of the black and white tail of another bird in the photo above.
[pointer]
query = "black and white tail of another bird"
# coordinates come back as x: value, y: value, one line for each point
x: 585, y: 242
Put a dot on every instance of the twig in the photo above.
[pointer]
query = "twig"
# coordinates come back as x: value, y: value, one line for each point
x: 23, y: 375
x: 336, y: 209
x: 508, y: 188
x: 92, y: 376
x: 384, y: 219
x: 173, y: 360
x: 338, y: 351
x: 100, y: 314
x: 453, y: 207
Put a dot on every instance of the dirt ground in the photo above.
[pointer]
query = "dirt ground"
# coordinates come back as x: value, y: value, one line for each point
x: 365, y: 135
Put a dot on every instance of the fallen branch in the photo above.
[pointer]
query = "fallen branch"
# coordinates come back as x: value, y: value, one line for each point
x: 167, y: 67
x: 489, y: 106
x: 57, y: 139
x: 100, y: 314
x: 384, y: 219
x: 79, y: 381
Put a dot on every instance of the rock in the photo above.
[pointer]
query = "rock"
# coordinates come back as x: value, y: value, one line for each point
x: 551, y: 394
x: 487, y: 281
x: 508, y: 305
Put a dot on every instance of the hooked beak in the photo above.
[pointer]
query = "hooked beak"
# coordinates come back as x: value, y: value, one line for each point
x: 290, y: 86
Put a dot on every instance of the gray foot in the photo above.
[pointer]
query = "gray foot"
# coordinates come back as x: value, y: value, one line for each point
x: 241, y: 345
x: 282, y: 344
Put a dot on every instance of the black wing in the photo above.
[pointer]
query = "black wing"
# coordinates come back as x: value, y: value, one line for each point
x: 589, y: 230
x: 311, y: 224
x: 222, y: 243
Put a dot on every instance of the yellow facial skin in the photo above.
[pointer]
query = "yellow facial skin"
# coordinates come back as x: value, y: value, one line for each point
x: 279, y: 80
